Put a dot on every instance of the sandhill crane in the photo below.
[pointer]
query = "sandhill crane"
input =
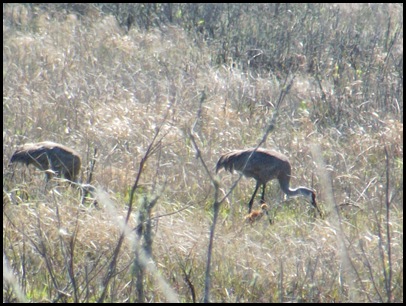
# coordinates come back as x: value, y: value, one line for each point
x: 264, y: 165
x: 64, y: 161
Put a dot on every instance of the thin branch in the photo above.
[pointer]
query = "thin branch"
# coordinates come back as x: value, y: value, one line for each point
x: 89, y: 178
x: 152, y: 147
x: 216, y: 205
x: 388, y: 277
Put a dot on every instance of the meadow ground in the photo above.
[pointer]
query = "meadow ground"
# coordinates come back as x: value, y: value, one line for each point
x: 160, y: 109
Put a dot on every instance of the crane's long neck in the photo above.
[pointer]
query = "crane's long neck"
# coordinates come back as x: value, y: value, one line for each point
x: 284, y: 182
x: 298, y: 191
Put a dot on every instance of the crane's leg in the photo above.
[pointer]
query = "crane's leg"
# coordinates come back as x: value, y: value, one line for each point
x: 263, y: 194
x: 263, y: 202
x: 252, y: 198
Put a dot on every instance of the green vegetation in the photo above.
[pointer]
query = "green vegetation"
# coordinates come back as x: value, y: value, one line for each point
x: 161, y: 90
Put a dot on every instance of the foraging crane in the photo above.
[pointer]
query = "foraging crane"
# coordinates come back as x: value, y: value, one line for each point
x: 264, y: 165
x: 64, y: 161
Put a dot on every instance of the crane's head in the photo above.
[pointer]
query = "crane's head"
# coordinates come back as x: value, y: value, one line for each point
x: 313, y: 200
x: 20, y: 156
x: 311, y: 195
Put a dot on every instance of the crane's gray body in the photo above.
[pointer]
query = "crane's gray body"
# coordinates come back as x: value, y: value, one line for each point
x: 50, y: 155
x: 264, y: 165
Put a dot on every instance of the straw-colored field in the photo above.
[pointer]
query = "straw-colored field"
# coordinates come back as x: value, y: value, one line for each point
x: 161, y: 101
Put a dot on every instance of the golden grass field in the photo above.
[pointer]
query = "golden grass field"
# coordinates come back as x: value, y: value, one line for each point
x: 160, y: 110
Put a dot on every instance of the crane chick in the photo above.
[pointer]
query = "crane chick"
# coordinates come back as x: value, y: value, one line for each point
x: 255, y: 215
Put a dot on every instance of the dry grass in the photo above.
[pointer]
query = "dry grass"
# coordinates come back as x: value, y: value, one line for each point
x: 87, y: 83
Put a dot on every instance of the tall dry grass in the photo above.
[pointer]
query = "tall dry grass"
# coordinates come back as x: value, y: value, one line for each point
x: 80, y: 78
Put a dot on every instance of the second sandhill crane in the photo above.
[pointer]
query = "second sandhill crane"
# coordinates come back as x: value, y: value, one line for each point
x: 47, y: 155
x: 264, y: 165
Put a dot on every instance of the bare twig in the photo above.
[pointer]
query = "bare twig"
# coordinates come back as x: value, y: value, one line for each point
x: 8, y: 277
x: 217, y: 203
x: 89, y: 178
x: 153, y: 146
x: 388, y: 275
